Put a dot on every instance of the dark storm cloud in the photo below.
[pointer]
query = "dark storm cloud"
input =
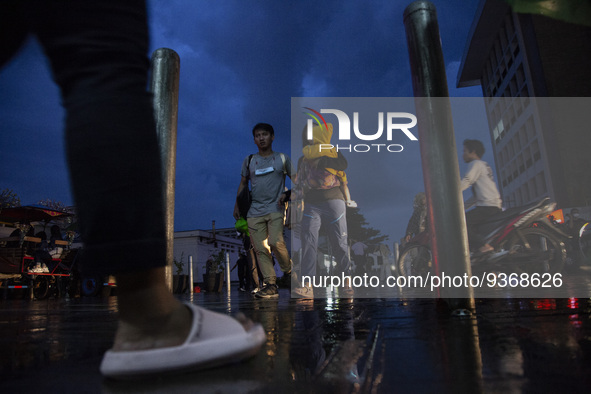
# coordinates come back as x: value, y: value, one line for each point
x: 241, y: 62
x: 32, y: 159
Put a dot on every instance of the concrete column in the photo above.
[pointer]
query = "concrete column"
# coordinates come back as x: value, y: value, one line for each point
x: 447, y: 223
x: 164, y: 85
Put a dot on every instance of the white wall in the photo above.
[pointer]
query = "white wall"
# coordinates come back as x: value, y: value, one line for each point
x: 199, y: 244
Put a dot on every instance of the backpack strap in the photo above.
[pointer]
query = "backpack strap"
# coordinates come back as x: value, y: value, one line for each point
x: 283, y: 161
x: 248, y: 165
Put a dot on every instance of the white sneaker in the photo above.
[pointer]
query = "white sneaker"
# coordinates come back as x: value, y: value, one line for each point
x: 303, y: 292
x: 255, y: 290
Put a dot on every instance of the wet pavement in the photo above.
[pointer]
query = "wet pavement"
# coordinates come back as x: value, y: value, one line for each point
x: 319, y: 346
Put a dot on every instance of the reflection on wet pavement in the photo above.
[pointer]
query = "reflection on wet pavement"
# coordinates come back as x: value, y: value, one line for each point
x: 320, y: 346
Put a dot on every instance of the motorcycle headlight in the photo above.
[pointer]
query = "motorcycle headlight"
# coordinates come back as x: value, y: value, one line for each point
x: 548, y: 209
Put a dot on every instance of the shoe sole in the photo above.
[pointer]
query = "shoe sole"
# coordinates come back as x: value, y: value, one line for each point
x: 258, y: 295
x: 301, y: 296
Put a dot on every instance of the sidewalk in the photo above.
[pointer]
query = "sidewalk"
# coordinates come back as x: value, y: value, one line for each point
x: 320, y: 346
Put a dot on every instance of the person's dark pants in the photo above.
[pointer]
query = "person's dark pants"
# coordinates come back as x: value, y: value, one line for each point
x: 242, y: 263
x: 474, y: 220
x: 333, y: 214
x: 97, y: 50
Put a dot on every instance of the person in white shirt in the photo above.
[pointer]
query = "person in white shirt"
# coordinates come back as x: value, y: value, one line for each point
x: 485, y: 198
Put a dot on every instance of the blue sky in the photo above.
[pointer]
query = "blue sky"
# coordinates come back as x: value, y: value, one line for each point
x: 241, y: 63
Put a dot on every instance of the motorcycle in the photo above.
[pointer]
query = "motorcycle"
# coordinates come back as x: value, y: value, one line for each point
x: 585, y: 243
x: 577, y: 244
x: 524, y: 240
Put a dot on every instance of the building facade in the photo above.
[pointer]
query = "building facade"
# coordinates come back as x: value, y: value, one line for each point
x: 200, y: 244
x: 533, y: 71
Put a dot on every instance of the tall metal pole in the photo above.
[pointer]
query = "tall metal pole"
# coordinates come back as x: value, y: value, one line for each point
x: 447, y: 223
x: 191, y: 275
x: 228, y: 287
x: 165, y: 87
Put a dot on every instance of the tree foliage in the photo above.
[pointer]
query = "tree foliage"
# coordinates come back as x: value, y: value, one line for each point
x: 9, y: 199
x: 52, y: 204
x: 358, y: 229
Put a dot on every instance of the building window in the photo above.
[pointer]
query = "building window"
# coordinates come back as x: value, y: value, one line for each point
x: 521, y: 164
x: 524, y: 93
x: 509, y: 59
x: 524, y: 194
x: 514, y: 167
x: 541, y: 183
x: 533, y: 192
x: 531, y: 128
x: 523, y: 136
x: 516, y: 142
x: 520, y: 76
x: 528, y: 159
x: 499, y: 131
x: 513, y: 87
x: 485, y: 76
x: 535, y: 148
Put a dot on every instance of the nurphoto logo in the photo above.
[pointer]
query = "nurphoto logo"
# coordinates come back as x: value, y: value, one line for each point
x: 396, y: 123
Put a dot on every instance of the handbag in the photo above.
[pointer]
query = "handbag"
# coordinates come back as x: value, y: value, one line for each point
x: 295, y: 207
x: 244, y: 198
x: 294, y: 213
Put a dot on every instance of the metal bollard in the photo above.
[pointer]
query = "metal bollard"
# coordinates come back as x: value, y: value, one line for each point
x: 228, y: 272
x: 164, y: 85
x: 191, y: 275
x: 438, y: 150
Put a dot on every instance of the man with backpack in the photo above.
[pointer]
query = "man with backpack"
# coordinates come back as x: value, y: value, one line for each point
x: 266, y: 171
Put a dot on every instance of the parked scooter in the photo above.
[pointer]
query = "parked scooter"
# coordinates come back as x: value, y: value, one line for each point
x: 523, y: 238
x: 577, y: 249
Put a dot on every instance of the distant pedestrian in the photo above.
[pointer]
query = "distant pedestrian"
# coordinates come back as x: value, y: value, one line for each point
x: 418, y: 220
x: 266, y: 171
x: 359, y: 253
x: 241, y: 264
x: 485, y: 195
x: 253, y: 273
x: 324, y: 204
